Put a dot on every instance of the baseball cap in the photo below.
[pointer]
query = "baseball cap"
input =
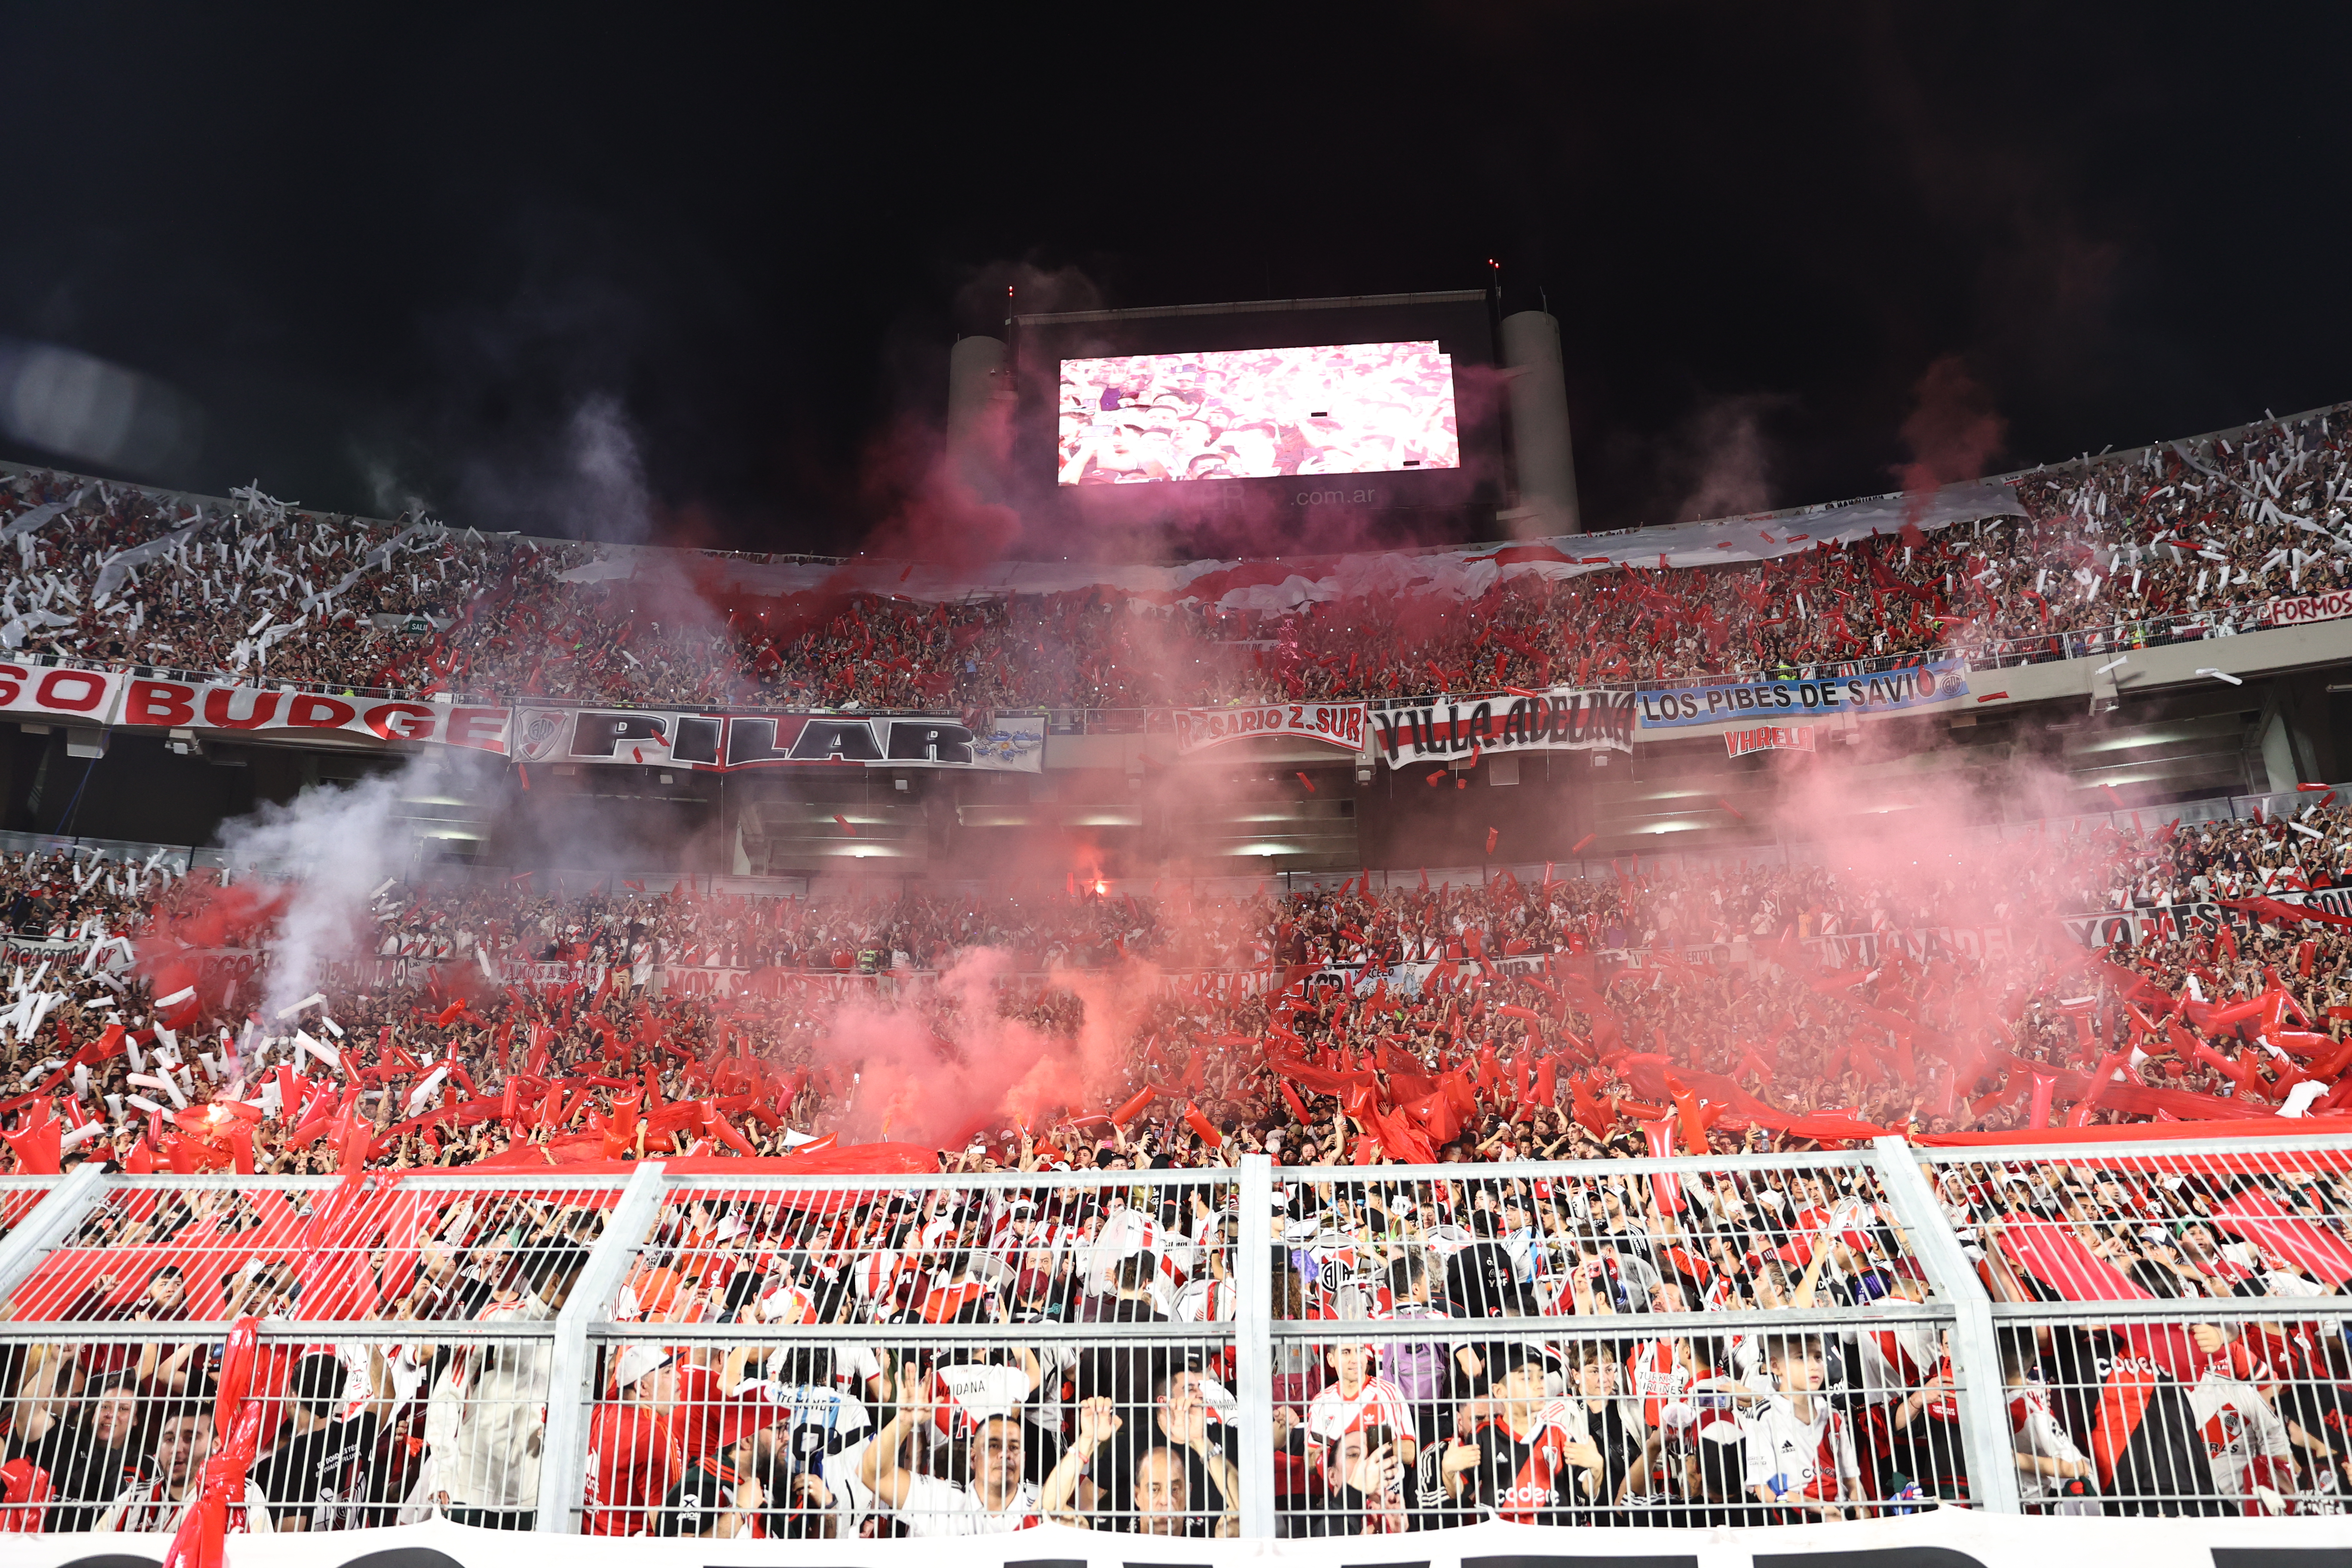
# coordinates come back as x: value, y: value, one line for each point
x: 787, y: 1304
x: 636, y: 1360
x: 748, y: 1409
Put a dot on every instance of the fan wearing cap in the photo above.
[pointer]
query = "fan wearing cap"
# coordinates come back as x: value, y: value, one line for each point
x: 1528, y: 1462
x: 633, y: 1451
x: 718, y: 1496
x: 326, y: 1475
x: 995, y: 1496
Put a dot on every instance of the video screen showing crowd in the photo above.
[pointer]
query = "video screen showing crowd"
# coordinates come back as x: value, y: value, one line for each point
x: 1340, y: 408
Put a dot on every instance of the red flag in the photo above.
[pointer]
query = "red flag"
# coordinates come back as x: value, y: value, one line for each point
x: 1492, y: 835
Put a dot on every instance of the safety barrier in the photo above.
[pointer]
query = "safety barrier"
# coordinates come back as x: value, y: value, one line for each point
x: 1251, y: 1351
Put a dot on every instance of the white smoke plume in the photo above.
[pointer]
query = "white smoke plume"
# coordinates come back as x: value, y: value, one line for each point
x: 334, y: 845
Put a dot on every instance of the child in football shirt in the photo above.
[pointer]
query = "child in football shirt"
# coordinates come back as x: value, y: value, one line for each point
x: 1801, y: 1456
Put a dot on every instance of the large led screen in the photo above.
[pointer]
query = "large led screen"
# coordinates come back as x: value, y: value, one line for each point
x: 1246, y: 413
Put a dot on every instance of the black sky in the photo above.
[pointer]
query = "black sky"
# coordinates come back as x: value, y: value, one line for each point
x: 392, y: 255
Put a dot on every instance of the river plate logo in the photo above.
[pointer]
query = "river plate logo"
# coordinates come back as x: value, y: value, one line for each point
x: 538, y: 733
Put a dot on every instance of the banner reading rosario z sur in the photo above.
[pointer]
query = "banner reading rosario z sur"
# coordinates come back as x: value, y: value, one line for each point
x: 1888, y: 691
x: 1410, y: 732
x: 1333, y: 723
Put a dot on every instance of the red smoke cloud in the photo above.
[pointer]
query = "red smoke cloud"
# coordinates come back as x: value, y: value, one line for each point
x: 1953, y: 429
x: 915, y: 1083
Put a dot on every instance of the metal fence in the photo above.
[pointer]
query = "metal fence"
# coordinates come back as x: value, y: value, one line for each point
x: 1252, y: 1351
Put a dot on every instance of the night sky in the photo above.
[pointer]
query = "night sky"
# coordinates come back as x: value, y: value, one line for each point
x: 398, y: 255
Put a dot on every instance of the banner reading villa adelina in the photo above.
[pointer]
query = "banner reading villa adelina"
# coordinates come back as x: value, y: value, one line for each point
x: 1411, y: 730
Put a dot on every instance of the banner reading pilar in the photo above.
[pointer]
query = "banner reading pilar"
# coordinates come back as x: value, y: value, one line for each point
x: 1888, y: 691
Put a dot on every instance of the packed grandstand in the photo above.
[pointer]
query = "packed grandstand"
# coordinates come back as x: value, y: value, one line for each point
x: 1084, y: 1079
x: 2185, y: 538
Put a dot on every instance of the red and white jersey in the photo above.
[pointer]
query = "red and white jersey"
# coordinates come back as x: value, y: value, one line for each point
x: 1206, y: 1301
x: 2245, y: 1442
x: 1332, y: 1415
x: 1657, y: 1376
x: 875, y: 1278
x: 1796, y: 1458
x: 2264, y: 1358
x: 1895, y: 1361
x: 143, y: 1509
x: 2035, y: 1429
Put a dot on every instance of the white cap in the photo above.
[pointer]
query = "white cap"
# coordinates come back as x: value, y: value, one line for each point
x: 638, y: 1360
x: 787, y: 1304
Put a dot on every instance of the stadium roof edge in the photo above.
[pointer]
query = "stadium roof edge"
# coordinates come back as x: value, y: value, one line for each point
x: 1251, y: 307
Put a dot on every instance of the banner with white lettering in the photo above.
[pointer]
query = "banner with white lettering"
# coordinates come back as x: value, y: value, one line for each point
x: 2312, y: 607
x: 1888, y: 691
x: 61, y: 694
x: 183, y: 705
x: 1771, y: 738
x: 1420, y: 729
x: 710, y: 742
x: 1332, y: 724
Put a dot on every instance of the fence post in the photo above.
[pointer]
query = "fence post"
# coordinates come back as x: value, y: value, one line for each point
x: 52, y: 1220
x: 564, y: 1448
x: 1254, y: 1343
x: 1984, y: 1404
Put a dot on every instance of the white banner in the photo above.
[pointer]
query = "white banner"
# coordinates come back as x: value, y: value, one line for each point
x: 1338, y: 725
x: 61, y: 694
x: 2313, y: 607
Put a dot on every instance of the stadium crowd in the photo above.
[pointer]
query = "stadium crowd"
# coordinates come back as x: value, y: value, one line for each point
x: 2110, y: 546
x: 1755, y: 1008
x: 1463, y: 1337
